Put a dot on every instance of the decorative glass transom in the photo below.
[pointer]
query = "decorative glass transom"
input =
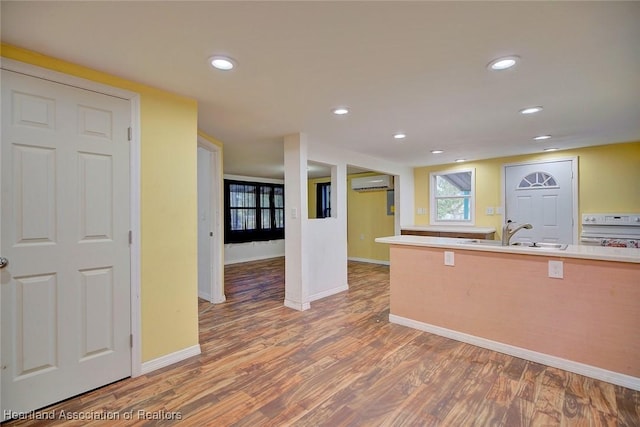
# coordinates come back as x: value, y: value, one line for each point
x: 538, y: 180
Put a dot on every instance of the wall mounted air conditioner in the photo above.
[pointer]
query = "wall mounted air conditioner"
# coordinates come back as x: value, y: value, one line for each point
x: 372, y: 183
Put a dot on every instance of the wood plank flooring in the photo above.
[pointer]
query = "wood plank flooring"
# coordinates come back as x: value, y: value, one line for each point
x: 342, y: 363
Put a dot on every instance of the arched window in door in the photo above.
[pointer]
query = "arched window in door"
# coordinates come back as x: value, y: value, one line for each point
x: 538, y: 180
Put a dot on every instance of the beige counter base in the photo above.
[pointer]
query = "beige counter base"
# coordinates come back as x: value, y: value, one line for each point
x: 586, y: 322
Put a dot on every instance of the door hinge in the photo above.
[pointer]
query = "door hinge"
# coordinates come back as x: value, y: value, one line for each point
x: 131, y: 340
x: 130, y: 237
x: 129, y: 133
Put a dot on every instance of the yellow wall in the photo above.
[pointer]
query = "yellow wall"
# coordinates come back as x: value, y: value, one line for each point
x: 608, y: 181
x: 367, y: 219
x: 168, y: 128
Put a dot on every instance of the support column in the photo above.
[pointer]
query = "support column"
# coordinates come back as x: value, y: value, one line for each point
x: 296, y: 221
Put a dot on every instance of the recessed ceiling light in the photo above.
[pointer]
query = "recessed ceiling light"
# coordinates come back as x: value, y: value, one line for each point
x: 542, y: 137
x: 399, y: 135
x: 551, y: 149
x: 460, y: 160
x: 223, y: 63
x: 503, y: 63
x: 340, y: 111
x: 531, y: 110
x: 437, y: 151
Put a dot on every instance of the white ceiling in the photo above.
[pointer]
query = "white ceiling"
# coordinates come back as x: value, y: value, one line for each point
x: 416, y: 67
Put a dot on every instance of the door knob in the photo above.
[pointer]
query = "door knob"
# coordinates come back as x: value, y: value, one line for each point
x: 3, y: 262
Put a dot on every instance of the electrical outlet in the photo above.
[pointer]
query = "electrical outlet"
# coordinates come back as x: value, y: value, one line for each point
x: 489, y: 210
x: 448, y: 258
x: 556, y: 269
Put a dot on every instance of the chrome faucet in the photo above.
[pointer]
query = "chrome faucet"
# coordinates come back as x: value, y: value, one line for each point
x: 507, y: 232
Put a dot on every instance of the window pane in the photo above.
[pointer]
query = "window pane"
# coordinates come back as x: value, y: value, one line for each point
x: 279, y: 217
x: 453, y: 209
x: 266, y: 219
x: 278, y: 197
x: 243, y: 219
x: 242, y: 196
x: 265, y: 193
x: 453, y: 184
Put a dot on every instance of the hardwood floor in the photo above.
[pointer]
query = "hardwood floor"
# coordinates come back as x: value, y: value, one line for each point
x: 342, y: 363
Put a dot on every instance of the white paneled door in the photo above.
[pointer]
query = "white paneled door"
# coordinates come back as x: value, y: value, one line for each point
x: 541, y: 194
x: 65, y: 297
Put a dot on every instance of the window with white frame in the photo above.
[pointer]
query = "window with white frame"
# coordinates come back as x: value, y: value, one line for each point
x: 452, y: 197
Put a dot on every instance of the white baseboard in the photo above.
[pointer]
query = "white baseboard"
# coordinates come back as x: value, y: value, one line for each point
x: 370, y: 261
x: 300, y: 306
x: 220, y: 300
x: 170, y: 359
x: 523, y: 353
x: 329, y: 292
x: 207, y: 296
x: 204, y: 295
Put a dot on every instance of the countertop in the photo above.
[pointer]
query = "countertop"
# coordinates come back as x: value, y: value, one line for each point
x: 450, y: 228
x: 631, y: 255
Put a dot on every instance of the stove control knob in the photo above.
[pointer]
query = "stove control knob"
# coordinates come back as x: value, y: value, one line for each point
x: 637, y: 219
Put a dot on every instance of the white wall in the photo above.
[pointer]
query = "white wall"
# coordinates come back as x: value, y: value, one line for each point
x: 252, y: 251
x: 316, y: 249
x: 296, y: 286
x: 326, y: 243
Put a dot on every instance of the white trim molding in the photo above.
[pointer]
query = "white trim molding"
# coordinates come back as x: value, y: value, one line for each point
x: 170, y: 359
x: 523, y: 353
x: 369, y: 261
x: 300, y: 306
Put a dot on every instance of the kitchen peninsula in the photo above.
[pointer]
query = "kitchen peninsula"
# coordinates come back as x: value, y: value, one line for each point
x: 577, y: 308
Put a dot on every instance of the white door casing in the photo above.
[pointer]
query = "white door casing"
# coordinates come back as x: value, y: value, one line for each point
x: 210, y: 256
x: 66, y: 294
x: 544, y: 195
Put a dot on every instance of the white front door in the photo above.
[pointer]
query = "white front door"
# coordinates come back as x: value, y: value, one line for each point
x: 65, y: 300
x: 541, y: 194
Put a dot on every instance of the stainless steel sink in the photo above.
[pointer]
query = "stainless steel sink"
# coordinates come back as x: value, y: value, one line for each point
x: 542, y: 245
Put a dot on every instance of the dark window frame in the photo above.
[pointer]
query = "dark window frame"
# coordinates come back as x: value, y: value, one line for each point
x: 274, y: 230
